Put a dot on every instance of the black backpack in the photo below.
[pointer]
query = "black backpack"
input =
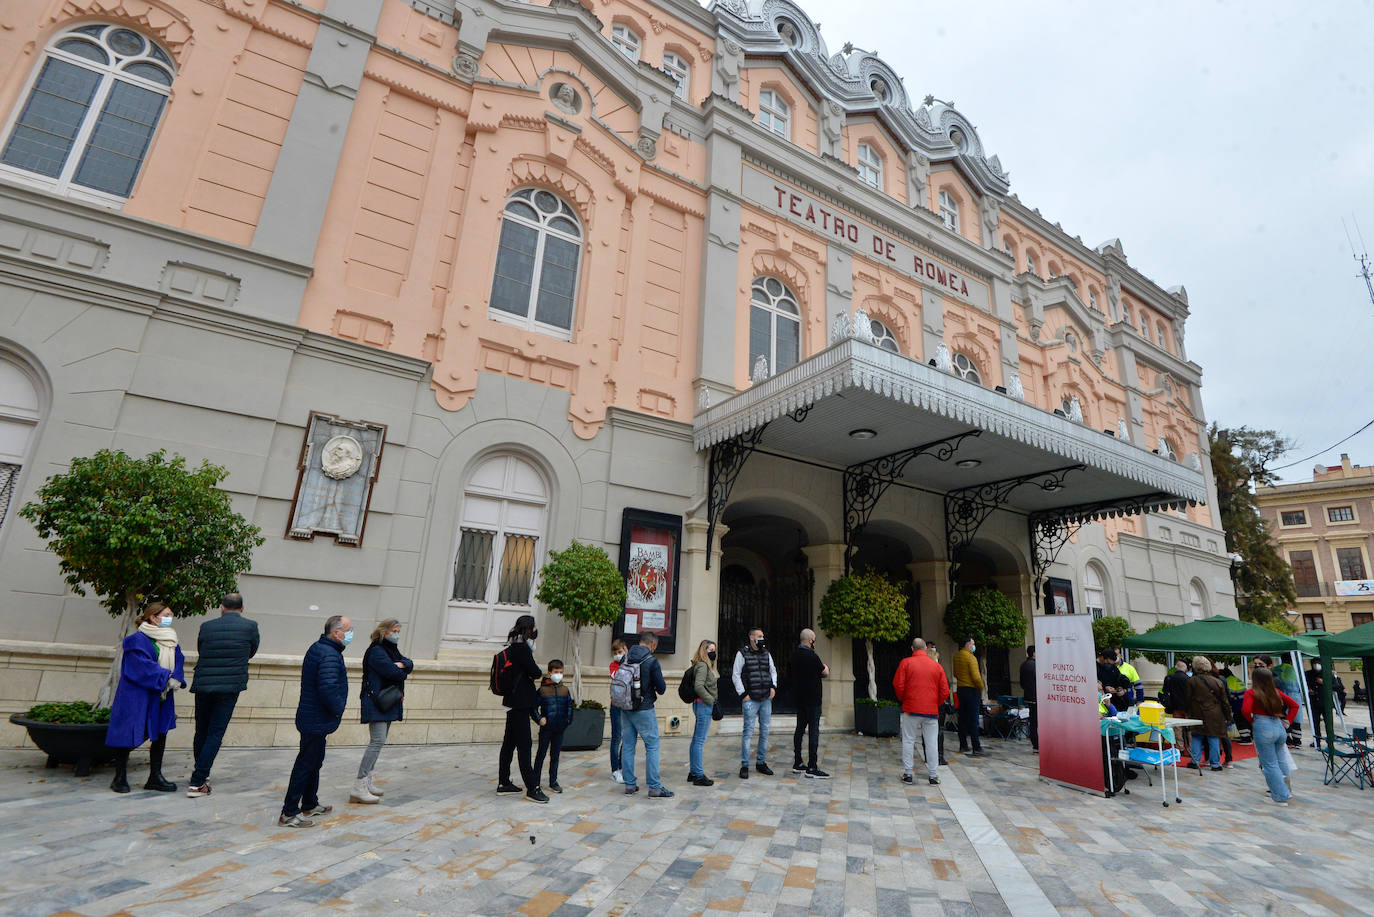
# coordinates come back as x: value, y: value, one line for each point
x: 687, y: 689
x: 502, y: 674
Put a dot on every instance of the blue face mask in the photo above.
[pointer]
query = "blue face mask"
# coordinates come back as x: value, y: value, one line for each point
x: 394, y: 638
x: 348, y: 637
x: 166, y: 621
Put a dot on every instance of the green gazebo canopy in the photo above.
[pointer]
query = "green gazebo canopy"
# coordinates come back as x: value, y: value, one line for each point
x: 1355, y: 643
x: 1218, y: 634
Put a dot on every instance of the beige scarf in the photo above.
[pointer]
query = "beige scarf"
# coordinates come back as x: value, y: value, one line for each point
x: 166, y: 640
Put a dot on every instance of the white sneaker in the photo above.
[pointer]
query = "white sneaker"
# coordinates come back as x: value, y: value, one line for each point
x: 617, y: 777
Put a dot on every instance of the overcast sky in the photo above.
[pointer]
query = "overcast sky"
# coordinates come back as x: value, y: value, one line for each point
x: 1222, y: 142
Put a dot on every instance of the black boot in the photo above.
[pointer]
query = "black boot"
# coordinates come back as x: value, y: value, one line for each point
x: 120, y: 783
x: 155, y: 779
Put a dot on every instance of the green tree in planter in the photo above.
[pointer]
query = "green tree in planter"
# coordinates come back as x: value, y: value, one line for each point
x: 867, y: 606
x: 989, y: 617
x: 1110, y: 632
x: 586, y: 589
x: 135, y: 529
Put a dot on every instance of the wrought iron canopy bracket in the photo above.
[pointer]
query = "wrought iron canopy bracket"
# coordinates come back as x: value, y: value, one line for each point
x: 1051, y: 529
x: 866, y: 482
x: 727, y: 460
x: 967, y: 508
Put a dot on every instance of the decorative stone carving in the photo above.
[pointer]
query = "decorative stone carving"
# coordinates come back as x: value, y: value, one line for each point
x: 840, y: 328
x: 703, y: 398
x: 646, y: 147
x: 917, y: 178
x: 1036, y: 326
x: 760, y: 372
x: 730, y: 46
x: 565, y: 98
x: 989, y: 212
x: 1114, y: 295
x: 1014, y: 386
x: 1122, y: 431
x: 338, y: 466
x: 1194, y: 462
x: 943, y: 361
x: 1163, y: 447
x: 862, y: 329
x: 738, y: 8
x: 465, y: 66
x: 1075, y: 410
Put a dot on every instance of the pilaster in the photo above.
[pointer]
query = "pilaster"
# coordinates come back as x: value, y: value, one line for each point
x: 827, y: 564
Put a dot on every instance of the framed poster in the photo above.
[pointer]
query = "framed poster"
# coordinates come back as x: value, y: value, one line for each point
x: 338, y: 465
x: 1058, y: 596
x: 650, y: 556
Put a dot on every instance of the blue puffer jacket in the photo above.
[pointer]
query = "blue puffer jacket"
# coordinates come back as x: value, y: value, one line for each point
x: 555, y: 705
x: 324, y: 688
x: 379, y: 670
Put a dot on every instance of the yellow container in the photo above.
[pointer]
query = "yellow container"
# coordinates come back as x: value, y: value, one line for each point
x: 1152, y: 713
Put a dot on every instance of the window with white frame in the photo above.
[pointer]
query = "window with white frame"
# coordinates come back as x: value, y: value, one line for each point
x: 1031, y: 266
x: 1144, y: 326
x: 536, y: 262
x: 501, y: 535
x: 1159, y: 334
x: 774, y: 112
x: 90, y: 113
x: 1092, y: 301
x: 677, y: 67
x: 1340, y: 514
x: 883, y: 336
x: 1094, y: 591
x: 774, y: 325
x: 1197, y: 602
x: 626, y: 39
x: 19, y: 415
x: 965, y: 368
x: 1170, y: 450
x: 949, y: 210
x: 870, y: 166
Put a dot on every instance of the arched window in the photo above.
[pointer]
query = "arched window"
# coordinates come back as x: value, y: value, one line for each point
x: 870, y: 165
x: 1094, y: 590
x: 1168, y: 450
x: 883, y: 336
x: 501, y: 533
x: 965, y: 368
x: 774, y: 112
x: 1092, y: 301
x: 1159, y: 334
x: 19, y: 414
x: 774, y: 325
x: 677, y: 67
x: 1031, y: 266
x: 1145, y: 325
x: 1197, y: 601
x: 949, y: 210
x: 536, y: 262
x: 91, y: 112
x: 626, y: 39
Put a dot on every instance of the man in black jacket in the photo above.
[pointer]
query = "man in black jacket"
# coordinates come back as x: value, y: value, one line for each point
x: 1113, y: 682
x: 806, y: 671
x: 1028, y: 684
x: 324, y: 694
x: 223, y: 647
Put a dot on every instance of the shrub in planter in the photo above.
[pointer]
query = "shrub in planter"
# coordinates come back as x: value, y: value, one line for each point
x: 866, y: 606
x: 68, y: 733
x: 585, y: 589
x: 988, y: 616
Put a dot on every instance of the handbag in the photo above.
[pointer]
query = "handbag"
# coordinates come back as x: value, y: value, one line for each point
x: 387, y: 698
x: 716, y: 712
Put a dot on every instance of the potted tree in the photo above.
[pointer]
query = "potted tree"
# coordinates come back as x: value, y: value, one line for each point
x: 868, y: 606
x: 130, y: 530
x: 990, y: 617
x: 583, y: 587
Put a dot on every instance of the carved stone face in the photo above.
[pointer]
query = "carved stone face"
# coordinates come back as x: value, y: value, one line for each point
x: 341, y: 457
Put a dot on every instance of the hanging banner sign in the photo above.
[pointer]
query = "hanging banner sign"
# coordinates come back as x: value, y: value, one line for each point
x: 1066, y: 698
x: 1355, y: 587
x: 837, y: 227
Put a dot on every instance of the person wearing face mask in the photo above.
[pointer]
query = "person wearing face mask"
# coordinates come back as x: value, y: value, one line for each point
x: 521, y: 705
x: 807, y: 670
x: 1315, y: 681
x: 384, y: 666
x: 555, y: 715
x: 324, y: 694
x: 618, y: 650
x: 151, y: 667
x: 706, y: 683
x: 970, y: 695
x: 756, y: 683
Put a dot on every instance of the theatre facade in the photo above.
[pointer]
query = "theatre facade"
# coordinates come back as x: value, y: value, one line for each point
x: 447, y: 284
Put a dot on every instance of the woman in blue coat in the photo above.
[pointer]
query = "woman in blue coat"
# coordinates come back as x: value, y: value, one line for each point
x: 143, y: 709
x: 383, y: 666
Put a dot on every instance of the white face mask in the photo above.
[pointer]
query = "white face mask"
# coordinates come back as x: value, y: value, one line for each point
x: 556, y: 677
x: 619, y: 657
x: 530, y: 644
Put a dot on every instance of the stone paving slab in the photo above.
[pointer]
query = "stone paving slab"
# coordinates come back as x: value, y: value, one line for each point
x: 991, y: 840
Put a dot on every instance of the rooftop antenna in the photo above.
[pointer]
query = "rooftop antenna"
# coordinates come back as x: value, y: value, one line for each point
x: 1362, y: 257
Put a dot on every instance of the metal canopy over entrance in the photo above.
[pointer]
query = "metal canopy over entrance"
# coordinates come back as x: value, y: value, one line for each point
x: 885, y: 419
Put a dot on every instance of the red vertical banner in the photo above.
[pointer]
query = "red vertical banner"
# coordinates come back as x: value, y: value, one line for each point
x: 1066, y: 698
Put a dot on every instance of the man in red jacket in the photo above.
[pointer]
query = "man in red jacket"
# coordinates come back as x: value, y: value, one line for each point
x: 921, y: 687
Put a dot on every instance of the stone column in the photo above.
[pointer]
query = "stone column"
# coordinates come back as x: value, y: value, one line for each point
x: 839, y: 286
x: 700, y: 588
x: 827, y: 563
x: 932, y: 323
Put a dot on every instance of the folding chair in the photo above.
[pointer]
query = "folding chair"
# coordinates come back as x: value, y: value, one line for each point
x: 1360, y: 740
x: 1345, y: 760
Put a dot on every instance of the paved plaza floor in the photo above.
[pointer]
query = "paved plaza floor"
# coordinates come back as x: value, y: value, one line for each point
x: 991, y: 839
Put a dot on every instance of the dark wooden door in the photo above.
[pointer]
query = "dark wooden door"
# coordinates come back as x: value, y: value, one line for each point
x: 782, y: 608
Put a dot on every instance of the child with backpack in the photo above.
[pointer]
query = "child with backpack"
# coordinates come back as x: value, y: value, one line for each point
x: 555, y: 715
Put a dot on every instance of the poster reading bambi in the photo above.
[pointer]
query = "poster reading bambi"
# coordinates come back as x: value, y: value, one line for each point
x: 647, y: 579
x: 1066, y: 695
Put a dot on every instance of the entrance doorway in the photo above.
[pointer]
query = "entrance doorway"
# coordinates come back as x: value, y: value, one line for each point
x: 781, y: 606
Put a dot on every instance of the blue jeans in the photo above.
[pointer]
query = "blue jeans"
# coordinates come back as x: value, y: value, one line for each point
x: 615, y: 738
x: 1213, y: 749
x: 1270, y: 734
x: 702, y: 711
x: 763, y: 709
x: 637, y: 723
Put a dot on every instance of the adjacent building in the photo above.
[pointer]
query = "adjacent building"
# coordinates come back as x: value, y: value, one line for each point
x: 447, y: 284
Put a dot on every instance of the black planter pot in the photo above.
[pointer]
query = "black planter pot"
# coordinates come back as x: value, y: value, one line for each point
x: 877, y: 721
x: 82, y: 744
x: 586, y: 731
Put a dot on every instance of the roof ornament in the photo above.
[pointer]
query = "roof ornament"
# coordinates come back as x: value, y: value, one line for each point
x: 1122, y: 432
x: 1075, y: 410
x: 1194, y: 462
x: 943, y: 362
x: 703, y: 398
x: 862, y: 329
x: 761, y: 372
x: 840, y: 328
x: 1014, y: 387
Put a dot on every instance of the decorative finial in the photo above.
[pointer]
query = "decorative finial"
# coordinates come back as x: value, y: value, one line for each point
x: 1121, y: 430
x: 943, y: 362
x: 760, y: 372
x: 863, y: 327
x: 1014, y: 387
x: 1075, y: 410
x: 703, y: 398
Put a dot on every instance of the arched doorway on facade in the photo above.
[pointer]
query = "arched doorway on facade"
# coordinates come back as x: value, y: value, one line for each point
x: 987, y: 563
x: 765, y: 581
x: 886, y: 551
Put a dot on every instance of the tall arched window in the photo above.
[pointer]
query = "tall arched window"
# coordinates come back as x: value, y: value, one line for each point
x: 870, y: 165
x: 1197, y: 602
x: 965, y: 368
x: 90, y: 113
x: 949, y: 210
x: 19, y: 415
x: 501, y: 534
x: 1094, y: 590
x: 677, y: 67
x: 883, y: 336
x: 536, y: 262
x: 774, y: 325
x: 1031, y: 266
x: 774, y: 112
x: 1159, y: 334
x: 626, y: 39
